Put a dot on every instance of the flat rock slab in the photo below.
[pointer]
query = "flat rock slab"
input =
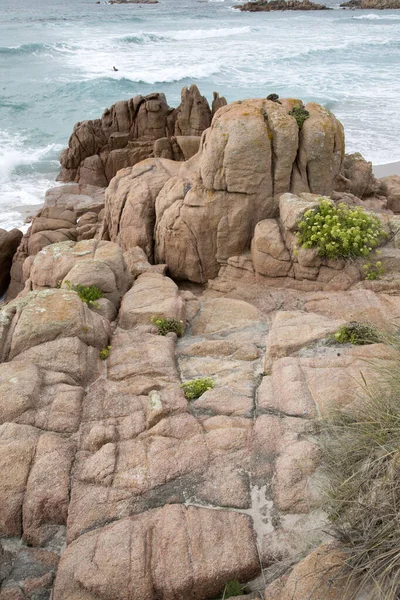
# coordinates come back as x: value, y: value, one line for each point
x: 165, y: 554
x: 152, y: 295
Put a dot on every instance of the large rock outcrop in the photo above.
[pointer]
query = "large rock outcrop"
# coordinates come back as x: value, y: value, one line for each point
x: 205, y: 210
x: 126, y: 133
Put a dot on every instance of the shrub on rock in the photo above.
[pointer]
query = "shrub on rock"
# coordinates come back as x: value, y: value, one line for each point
x: 340, y: 231
x: 300, y: 114
x: 197, y: 387
x: 358, y: 334
x: 168, y: 325
x: 87, y: 293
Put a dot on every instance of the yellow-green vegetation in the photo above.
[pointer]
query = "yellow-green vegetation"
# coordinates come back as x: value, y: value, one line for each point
x: 360, y: 454
x: 105, y: 353
x: 373, y: 271
x: 340, y: 231
x: 300, y: 114
x: 359, y: 334
x: 87, y: 293
x: 196, y: 387
x: 167, y: 325
x: 232, y: 588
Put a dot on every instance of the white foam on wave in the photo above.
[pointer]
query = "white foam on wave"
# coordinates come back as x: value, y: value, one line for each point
x: 14, y: 154
x: 21, y: 185
x: 374, y: 17
x: 201, y: 34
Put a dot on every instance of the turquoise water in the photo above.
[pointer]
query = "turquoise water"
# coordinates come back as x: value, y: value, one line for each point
x: 56, y: 60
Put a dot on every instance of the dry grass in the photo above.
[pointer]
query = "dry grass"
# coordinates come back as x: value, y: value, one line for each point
x: 361, y: 467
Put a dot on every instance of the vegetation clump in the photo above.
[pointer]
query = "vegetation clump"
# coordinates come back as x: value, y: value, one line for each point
x: 340, y: 231
x: 196, y: 387
x: 373, y: 271
x: 360, y: 452
x: 358, y: 334
x: 300, y: 114
x: 105, y: 353
x: 233, y: 588
x: 87, y: 293
x: 166, y: 325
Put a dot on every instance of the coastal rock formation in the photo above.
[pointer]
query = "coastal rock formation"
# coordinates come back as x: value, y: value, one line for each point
x: 114, y: 485
x: 126, y: 133
x: 9, y: 242
x: 372, y: 4
x: 205, y: 210
x: 270, y: 5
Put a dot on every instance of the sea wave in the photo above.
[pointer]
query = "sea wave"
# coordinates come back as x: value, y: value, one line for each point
x: 374, y: 17
x: 33, y: 48
x: 184, y: 34
x: 166, y: 74
x: 15, y: 153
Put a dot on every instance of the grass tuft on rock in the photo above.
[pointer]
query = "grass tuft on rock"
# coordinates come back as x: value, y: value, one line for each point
x: 232, y: 588
x: 87, y: 293
x: 360, y: 452
x: 358, y: 334
x: 197, y: 387
x: 166, y: 325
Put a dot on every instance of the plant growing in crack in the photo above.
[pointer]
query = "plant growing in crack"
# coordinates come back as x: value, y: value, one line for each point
x: 195, y: 388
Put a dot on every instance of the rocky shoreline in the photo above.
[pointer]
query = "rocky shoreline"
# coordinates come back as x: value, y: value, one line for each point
x: 114, y: 483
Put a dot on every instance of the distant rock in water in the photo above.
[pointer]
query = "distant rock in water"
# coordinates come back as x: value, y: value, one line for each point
x: 371, y: 4
x: 133, y: 2
x: 263, y: 5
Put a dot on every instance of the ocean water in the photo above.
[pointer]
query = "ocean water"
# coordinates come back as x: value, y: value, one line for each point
x: 56, y: 59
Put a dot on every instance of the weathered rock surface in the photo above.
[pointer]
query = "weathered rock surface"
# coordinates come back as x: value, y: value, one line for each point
x: 172, y: 552
x: 157, y: 497
x: 127, y: 132
x: 319, y: 576
x: 391, y: 187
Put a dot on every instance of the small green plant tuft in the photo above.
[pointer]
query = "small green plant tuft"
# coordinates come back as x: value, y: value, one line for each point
x: 105, y: 353
x: 167, y: 325
x: 87, y: 293
x: 196, y: 387
x: 358, y: 334
x: 340, y: 231
x: 373, y: 271
x: 300, y: 114
x: 273, y: 98
x: 233, y: 588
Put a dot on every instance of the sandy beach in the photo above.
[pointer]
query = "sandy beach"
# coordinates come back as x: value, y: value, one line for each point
x: 385, y: 170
